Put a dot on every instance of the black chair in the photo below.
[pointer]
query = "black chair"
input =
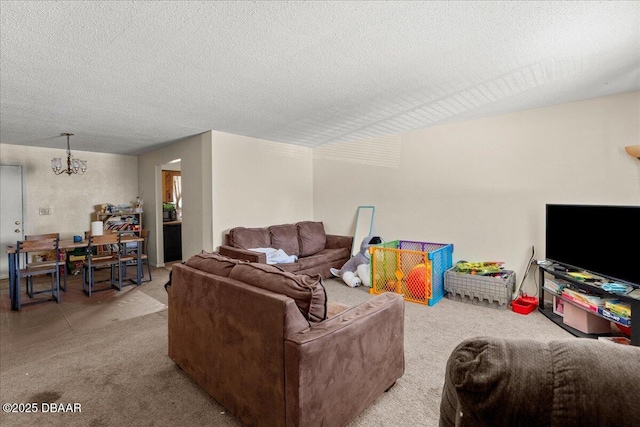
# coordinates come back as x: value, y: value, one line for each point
x: 30, y: 269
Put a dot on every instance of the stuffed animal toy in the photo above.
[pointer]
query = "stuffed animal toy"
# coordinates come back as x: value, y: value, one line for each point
x: 356, y: 271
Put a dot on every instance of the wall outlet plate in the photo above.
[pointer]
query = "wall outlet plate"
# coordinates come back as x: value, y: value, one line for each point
x: 44, y: 211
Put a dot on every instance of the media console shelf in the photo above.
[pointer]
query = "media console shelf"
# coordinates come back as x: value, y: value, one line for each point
x: 593, y: 287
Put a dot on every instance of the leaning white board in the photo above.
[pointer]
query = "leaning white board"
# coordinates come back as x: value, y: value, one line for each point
x: 364, y: 226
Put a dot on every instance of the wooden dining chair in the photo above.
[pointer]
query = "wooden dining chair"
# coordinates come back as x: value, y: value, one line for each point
x: 145, y: 258
x: 28, y: 268
x: 63, y: 256
x: 133, y: 250
x: 105, y: 251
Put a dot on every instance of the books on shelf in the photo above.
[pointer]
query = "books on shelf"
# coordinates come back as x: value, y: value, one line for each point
x: 618, y: 307
x: 555, y: 285
x: 604, y: 312
x: 122, y: 223
x: 588, y: 301
x: 121, y: 227
x: 580, y: 303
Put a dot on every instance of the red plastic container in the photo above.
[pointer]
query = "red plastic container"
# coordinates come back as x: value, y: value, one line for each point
x: 624, y: 329
x: 524, y: 305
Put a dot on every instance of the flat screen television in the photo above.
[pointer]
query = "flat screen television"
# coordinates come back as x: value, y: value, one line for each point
x: 601, y: 239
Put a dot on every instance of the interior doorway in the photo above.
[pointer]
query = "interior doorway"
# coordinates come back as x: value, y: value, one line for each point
x: 172, y: 210
x: 11, y: 211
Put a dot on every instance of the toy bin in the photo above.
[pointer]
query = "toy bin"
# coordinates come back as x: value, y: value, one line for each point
x: 490, y: 291
x: 413, y: 269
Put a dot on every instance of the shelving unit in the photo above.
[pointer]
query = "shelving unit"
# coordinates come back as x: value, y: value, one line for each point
x: 548, y: 311
x: 122, y: 222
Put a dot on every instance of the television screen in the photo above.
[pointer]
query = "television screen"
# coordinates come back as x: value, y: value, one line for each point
x: 603, y: 240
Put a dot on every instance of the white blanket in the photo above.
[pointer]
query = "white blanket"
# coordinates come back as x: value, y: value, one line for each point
x: 276, y: 256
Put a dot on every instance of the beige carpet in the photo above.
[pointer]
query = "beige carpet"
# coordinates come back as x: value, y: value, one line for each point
x: 120, y: 373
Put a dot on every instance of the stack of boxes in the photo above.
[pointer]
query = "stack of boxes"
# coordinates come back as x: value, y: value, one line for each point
x: 580, y: 314
x: 618, y: 311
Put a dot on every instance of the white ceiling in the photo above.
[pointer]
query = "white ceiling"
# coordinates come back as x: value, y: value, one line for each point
x: 127, y: 76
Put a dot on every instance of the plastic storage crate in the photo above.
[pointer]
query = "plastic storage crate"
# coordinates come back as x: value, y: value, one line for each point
x: 413, y: 269
x: 490, y: 291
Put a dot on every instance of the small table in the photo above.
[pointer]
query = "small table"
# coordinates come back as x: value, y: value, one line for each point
x: 14, y: 292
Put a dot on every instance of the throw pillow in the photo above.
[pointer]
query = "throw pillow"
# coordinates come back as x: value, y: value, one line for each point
x: 285, y: 237
x: 311, y: 237
x: 248, y: 238
x: 307, y: 291
x: 213, y: 263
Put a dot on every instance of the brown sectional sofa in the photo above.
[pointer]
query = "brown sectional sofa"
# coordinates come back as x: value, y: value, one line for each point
x: 572, y: 382
x: 317, y: 251
x: 270, y: 348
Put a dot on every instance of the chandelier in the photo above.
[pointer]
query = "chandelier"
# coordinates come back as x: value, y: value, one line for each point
x: 73, y: 165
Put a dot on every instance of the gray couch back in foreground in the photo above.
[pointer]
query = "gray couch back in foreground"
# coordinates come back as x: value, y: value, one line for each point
x: 574, y: 382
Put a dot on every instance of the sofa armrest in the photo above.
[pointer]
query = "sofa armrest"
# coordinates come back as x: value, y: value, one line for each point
x: 237, y: 253
x: 336, y: 242
x: 338, y: 367
x: 569, y: 382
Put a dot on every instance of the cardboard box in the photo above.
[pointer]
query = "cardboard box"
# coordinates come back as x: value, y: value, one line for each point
x: 584, y: 321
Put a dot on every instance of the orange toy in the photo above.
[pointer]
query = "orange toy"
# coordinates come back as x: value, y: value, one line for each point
x: 416, y: 283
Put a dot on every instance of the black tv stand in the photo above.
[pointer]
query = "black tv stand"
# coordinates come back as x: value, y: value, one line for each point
x: 562, y: 272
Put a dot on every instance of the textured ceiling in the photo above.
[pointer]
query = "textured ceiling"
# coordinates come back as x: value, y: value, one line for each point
x: 125, y: 77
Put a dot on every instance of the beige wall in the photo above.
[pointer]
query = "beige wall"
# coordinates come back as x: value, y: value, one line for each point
x: 258, y: 183
x: 483, y: 184
x: 227, y: 181
x: 110, y: 178
x: 195, y: 155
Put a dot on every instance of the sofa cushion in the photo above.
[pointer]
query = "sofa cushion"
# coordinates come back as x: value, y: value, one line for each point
x: 307, y: 291
x: 285, y: 237
x: 325, y: 256
x: 213, y: 263
x: 311, y: 237
x: 249, y: 238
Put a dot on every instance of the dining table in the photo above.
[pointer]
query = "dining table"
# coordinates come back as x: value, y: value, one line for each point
x: 67, y: 244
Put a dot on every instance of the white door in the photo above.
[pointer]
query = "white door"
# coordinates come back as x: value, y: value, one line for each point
x: 10, y: 212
